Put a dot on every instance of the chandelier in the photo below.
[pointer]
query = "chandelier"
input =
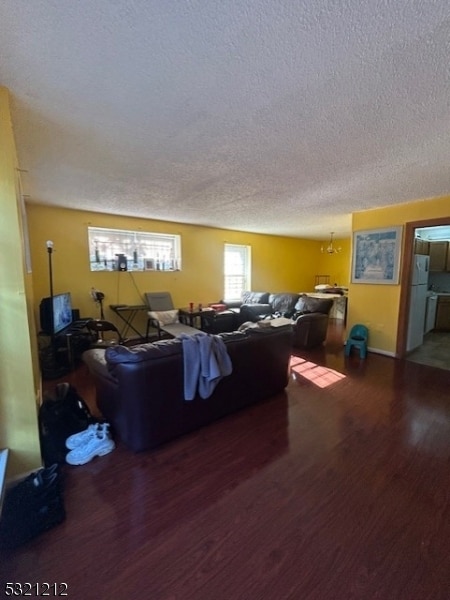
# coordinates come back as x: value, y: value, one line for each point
x: 330, y: 249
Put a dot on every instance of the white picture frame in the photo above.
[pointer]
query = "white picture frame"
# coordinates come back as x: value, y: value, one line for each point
x: 376, y: 256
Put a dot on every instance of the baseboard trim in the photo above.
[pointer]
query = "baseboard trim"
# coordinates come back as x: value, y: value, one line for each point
x: 383, y: 352
x: 378, y: 351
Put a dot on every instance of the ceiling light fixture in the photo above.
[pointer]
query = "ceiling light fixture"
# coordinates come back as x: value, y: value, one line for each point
x: 330, y: 249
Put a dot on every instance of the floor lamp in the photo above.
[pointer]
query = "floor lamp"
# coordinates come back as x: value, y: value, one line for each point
x: 49, y: 245
x: 50, y: 367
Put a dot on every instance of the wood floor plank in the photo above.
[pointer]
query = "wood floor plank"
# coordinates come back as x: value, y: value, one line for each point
x: 338, y: 488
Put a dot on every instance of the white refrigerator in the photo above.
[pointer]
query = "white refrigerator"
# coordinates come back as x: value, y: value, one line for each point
x: 418, y: 301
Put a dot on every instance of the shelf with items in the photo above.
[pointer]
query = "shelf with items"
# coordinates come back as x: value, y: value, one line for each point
x: 122, y: 250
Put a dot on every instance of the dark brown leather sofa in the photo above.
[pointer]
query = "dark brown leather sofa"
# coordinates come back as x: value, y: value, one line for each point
x: 255, y: 306
x: 140, y: 390
x: 310, y: 316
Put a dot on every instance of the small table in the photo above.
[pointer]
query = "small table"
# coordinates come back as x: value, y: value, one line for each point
x: 127, y: 313
x: 195, y: 317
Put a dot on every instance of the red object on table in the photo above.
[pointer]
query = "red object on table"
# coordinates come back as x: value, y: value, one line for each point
x: 218, y: 307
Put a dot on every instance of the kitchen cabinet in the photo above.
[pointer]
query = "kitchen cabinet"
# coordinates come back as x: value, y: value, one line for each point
x: 439, y: 256
x: 421, y: 246
x: 443, y: 313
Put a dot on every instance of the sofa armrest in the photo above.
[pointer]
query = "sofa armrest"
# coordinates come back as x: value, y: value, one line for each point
x: 310, y: 330
x: 231, y: 303
x: 95, y: 361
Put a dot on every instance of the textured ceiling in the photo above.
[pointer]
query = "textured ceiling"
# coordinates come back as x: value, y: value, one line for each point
x: 273, y: 116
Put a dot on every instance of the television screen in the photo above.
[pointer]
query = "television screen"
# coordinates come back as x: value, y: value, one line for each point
x: 62, y: 313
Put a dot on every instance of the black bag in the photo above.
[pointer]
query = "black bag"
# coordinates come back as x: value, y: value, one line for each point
x: 60, y: 417
x: 31, y: 507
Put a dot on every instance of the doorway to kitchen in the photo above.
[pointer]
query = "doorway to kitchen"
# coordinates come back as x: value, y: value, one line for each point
x: 434, y: 346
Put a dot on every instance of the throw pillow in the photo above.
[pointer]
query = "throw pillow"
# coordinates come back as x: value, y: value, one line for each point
x: 164, y: 317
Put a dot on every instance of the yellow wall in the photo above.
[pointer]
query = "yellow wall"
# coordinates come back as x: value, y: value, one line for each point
x: 279, y: 264
x: 19, y: 376
x: 378, y: 305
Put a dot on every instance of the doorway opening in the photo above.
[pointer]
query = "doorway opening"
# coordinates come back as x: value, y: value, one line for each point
x: 434, y: 349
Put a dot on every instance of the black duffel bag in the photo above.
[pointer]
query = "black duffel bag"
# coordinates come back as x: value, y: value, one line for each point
x: 32, y: 506
x: 60, y: 416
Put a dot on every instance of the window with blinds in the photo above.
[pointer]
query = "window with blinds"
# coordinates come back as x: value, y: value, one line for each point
x: 237, y: 271
x: 139, y: 251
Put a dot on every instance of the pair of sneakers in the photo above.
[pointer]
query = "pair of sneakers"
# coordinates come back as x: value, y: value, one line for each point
x: 86, y: 445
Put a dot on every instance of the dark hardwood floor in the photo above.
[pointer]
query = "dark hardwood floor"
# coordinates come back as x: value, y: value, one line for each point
x: 338, y: 488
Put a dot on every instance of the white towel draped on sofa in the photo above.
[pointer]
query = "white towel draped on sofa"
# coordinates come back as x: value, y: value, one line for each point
x: 206, y: 361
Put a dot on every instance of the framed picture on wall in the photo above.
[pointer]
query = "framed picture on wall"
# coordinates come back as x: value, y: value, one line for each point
x: 376, y: 255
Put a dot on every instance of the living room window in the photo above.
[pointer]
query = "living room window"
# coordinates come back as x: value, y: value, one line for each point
x: 237, y: 270
x: 120, y: 250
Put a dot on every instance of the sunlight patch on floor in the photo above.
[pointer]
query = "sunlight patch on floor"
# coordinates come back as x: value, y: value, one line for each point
x: 320, y: 376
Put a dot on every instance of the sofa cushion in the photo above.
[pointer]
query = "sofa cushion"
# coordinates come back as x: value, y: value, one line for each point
x: 254, y: 312
x: 143, y: 352
x: 255, y: 297
x: 307, y: 304
x: 164, y: 317
x: 283, y: 303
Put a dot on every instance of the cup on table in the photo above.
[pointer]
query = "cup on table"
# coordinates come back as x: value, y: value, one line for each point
x: 191, y: 306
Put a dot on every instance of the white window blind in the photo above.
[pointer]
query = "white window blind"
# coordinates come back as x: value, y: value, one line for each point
x: 237, y: 270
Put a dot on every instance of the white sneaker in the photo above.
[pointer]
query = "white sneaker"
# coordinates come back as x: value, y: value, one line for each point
x: 75, y: 440
x: 97, y: 445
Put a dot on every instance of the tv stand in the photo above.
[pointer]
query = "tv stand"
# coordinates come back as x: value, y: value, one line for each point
x: 60, y: 357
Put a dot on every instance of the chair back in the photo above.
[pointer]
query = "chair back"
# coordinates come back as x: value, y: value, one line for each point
x: 359, y: 332
x: 159, y: 301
